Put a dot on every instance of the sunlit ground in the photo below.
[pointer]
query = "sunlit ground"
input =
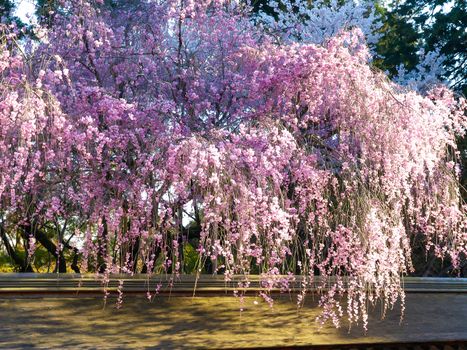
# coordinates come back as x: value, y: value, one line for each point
x: 212, y: 322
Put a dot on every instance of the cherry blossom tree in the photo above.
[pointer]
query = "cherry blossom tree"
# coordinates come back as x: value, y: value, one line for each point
x: 135, y: 130
x: 317, y: 21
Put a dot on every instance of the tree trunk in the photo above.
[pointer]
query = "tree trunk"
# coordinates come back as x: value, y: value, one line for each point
x: 102, y: 247
x: 47, y: 244
x: 24, y: 266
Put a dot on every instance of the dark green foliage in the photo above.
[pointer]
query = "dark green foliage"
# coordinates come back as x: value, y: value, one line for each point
x: 398, y: 43
x: 442, y: 23
x: 7, y: 8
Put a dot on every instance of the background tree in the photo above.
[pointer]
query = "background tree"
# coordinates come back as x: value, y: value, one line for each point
x: 441, y: 25
x: 6, y: 11
x: 398, y: 43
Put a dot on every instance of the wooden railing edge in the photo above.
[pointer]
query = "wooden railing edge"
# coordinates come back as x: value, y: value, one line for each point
x: 87, y: 283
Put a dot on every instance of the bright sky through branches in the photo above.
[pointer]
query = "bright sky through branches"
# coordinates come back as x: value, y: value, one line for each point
x: 25, y: 10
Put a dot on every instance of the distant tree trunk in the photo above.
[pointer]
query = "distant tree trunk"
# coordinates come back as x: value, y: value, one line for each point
x: 102, y: 247
x: 135, y: 254
x: 74, y: 264
x: 23, y: 266
x: 42, y: 238
x: 180, y: 237
x: 215, y: 236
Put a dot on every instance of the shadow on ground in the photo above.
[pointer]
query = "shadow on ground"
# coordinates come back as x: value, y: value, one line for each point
x: 212, y: 322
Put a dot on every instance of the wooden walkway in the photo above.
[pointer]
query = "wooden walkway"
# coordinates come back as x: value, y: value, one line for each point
x: 54, y: 318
